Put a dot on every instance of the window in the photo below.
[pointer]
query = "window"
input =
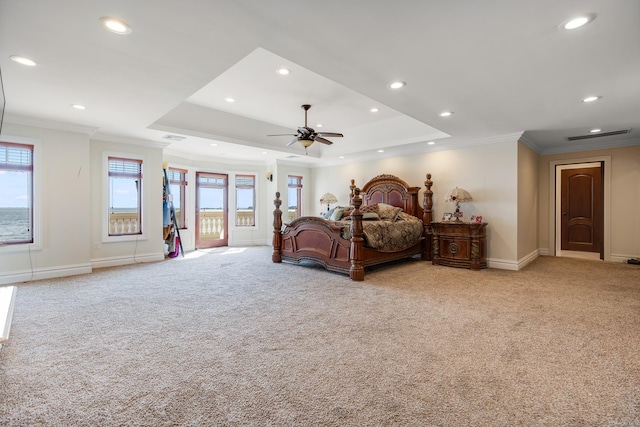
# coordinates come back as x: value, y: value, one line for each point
x: 245, y: 200
x: 178, y: 187
x: 16, y: 193
x: 125, y: 196
x: 294, y: 196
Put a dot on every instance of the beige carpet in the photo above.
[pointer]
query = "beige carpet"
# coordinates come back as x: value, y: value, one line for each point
x: 227, y: 338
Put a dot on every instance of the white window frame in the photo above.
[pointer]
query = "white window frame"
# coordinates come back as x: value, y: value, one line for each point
x: 106, y: 238
x: 37, y: 196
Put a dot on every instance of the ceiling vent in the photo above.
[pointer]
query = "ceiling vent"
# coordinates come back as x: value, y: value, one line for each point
x: 174, y: 137
x: 598, y: 135
x: 292, y: 157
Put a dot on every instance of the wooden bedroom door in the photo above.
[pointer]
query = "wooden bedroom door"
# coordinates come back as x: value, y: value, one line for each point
x: 582, y: 206
x: 211, y: 210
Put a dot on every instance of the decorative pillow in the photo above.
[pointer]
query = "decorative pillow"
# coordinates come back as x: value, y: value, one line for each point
x: 337, y: 214
x: 370, y: 216
x: 328, y: 213
x: 369, y: 208
x: 388, y: 212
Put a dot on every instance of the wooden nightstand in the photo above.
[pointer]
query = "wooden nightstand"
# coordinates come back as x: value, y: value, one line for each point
x: 460, y: 244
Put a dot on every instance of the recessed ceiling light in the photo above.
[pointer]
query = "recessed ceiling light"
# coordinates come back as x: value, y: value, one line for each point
x: 214, y: 145
x: 591, y: 98
x: 397, y: 85
x: 577, y: 22
x: 380, y: 151
x: 264, y: 153
x: 23, y: 60
x: 229, y: 99
x: 595, y: 130
x: 374, y: 110
x: 431, y: 143
x: 283, y: 71
x: 79, y: 107
x: 341, y: 157
x: 446, y: 113
x: 116, y: 26
x: 319, y: 125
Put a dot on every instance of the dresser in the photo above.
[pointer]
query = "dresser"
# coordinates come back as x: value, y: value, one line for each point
x: 460, y: 244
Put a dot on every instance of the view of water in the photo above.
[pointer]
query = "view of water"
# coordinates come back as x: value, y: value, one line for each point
x: 14, y: 224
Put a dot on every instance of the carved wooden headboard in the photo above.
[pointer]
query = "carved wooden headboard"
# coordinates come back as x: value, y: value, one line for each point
x: 393, y: 191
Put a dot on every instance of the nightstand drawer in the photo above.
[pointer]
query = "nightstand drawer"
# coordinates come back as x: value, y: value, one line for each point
x: 451, y: 247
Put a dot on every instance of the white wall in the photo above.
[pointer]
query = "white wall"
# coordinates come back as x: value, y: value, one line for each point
x: 488, y: 172
x: 527, y: 205
x: 149, y: 246
x: 62, y: 209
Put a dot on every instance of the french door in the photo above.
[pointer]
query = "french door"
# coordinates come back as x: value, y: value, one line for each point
x: 211, y: 210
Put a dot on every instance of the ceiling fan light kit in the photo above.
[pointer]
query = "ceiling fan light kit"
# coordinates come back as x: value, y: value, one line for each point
x: 306, y: 136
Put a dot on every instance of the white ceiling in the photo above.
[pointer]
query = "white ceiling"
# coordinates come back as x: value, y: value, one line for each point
x: 504, y: 67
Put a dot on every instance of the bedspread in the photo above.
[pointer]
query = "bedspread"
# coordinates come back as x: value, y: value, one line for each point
x: 389, y: 236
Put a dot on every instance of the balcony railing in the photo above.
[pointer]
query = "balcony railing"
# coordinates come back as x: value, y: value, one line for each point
x: 123, y: 223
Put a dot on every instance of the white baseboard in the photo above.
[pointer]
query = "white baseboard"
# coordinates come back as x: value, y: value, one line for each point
x: 544, y: 252
x: 622, y: 257
x: 44, y: 273
x: 126, y: 260
x: 502, y: 264
x: 528, y: 259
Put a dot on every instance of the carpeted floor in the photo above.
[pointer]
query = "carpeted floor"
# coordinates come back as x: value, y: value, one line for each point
x: 228, y: 338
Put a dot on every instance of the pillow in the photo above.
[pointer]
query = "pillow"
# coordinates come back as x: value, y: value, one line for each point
x: 370, y: 216
x: 369, y: 208
x: 388, y: 212
x: 336, y: 215
x: 328, y: 213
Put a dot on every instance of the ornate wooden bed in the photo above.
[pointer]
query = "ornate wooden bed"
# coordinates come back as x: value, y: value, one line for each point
x: 318, y: 240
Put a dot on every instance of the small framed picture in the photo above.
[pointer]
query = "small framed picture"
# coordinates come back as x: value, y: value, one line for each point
x: 446, y: 217
x: 472, y: 219
x: 478, y: 218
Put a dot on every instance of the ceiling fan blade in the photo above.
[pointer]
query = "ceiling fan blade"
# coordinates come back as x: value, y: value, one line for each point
x: 321, y: 139
x: 330, y: 134
x: 283, y: 134
x: 294, y: 140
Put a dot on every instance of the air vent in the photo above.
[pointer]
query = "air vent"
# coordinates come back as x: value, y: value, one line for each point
x: 598, y: 135
x: 174, y: 137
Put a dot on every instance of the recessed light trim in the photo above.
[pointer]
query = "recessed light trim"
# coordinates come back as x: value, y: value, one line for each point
x: 397, y: 84
x: 319, y: 125
x: 116, y: 26
x: 431, y: 143
x: 283, y: 71
x: 374, y: 110
x: 23, y: 60
x: 446, y: 114
x: 595, y: 130
x: 341, y: 157
x: 578, y: 21
x: 78, y: 106
x: 380, y: 151
x: 229, y: 99
x: 591, y: 98
x: 214, y: 145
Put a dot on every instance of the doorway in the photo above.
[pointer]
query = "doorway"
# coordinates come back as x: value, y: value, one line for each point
x: 211, y: 210
x: 580, y: 210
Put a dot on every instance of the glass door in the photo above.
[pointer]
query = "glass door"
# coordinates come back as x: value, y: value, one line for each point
x: 211, y: 210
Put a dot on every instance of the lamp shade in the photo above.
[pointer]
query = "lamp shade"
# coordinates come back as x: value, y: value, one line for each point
x: 328, y: 198
x: 458, y: 195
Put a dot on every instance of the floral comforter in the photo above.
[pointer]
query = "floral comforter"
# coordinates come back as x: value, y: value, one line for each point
x: 389, y: 236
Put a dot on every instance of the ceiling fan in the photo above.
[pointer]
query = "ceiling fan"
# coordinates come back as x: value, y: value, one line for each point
x: 306, y: 135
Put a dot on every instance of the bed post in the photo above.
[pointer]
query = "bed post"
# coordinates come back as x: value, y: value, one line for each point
x: 356, y: 272
x: 277, y: 230
x: 427, y: 217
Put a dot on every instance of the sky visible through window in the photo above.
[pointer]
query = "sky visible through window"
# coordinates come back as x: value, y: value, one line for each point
x: 13, y: 186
